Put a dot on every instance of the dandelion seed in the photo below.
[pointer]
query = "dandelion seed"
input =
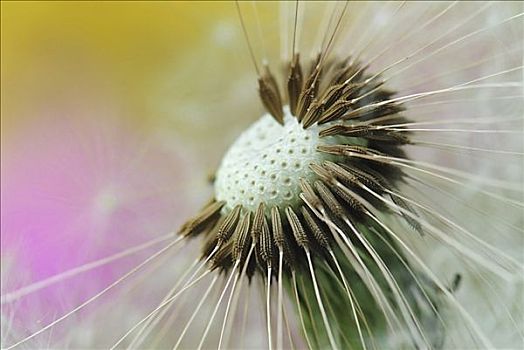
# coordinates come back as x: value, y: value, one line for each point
x: 340, y: 207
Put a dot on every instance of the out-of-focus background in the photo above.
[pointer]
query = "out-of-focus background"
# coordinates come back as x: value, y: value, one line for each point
x: 124, y: 58
x: 113, y: 113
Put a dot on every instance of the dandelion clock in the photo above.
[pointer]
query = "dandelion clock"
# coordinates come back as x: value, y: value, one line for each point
x: 296, y: 175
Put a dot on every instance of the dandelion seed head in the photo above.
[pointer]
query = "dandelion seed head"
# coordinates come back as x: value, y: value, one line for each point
x: 328, y: 212
x: 266, y: 163
x: 298, y: 160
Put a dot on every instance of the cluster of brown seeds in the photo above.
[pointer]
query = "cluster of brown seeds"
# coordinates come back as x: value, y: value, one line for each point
x: 347, y: 103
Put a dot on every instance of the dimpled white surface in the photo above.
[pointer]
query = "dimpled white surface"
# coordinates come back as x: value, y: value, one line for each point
x: 266, y: 163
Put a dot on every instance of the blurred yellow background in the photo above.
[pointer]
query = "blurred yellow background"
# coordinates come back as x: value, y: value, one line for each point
x: 56, y: 50
x: 175, y: 70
